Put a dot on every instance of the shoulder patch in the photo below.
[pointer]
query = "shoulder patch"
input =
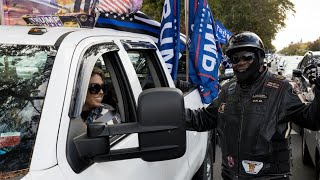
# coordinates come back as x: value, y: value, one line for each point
x: 274, y: 85
x: 276, y: 76
x: 232, y: 88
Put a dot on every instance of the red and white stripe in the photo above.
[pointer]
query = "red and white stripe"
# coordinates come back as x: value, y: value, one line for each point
x: 115, y: 6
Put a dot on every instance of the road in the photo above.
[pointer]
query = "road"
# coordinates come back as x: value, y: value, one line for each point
x: 299, y: 170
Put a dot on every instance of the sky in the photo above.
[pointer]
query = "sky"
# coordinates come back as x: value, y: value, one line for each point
x: 303, y: 25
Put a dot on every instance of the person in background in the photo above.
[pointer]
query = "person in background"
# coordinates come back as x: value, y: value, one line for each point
x: 93, y: 107
x: 252, y: 114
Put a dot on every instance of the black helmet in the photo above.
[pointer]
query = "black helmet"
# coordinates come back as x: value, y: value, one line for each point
x: 245, y: 40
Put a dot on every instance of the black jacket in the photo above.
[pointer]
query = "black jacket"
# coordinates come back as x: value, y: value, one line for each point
x: 253, y: 122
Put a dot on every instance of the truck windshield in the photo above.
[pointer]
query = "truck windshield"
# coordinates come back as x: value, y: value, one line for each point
x: 24, y: 74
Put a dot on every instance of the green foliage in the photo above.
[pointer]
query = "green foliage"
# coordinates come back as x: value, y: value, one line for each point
x: 295, y: 49
x: 301, y: 48
x: 264, y: 17
x: 153, y: 8
x: 314, y: 46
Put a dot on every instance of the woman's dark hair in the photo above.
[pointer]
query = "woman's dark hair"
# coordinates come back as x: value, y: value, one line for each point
x: 99, y: 72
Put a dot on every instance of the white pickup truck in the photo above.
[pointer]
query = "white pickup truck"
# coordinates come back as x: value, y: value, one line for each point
x: 43, y: 135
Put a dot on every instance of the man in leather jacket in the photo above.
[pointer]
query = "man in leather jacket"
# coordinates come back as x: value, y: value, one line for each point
x: 252, y: 113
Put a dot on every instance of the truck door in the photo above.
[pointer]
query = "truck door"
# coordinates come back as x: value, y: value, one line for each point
x: 152, y: 72
x: 121, y: 89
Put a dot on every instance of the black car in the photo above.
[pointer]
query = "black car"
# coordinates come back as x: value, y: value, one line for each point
x: 310, y: 139
x: 300, y: 77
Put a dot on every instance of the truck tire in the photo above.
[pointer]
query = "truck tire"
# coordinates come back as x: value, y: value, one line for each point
x: 205, y: 172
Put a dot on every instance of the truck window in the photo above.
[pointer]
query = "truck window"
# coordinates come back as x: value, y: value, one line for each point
x: 148, y: 69
x: 103, y: 94
x: 24, y: 75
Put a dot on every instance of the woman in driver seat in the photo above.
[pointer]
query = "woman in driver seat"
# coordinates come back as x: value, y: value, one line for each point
x: 94, y: 110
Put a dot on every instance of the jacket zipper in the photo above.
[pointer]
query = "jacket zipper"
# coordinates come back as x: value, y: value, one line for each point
x: 240, y: 131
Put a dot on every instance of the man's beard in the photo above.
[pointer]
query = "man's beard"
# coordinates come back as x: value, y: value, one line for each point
x: 250, y: 75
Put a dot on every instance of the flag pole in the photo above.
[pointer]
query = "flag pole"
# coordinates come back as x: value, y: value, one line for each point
x: 186, y: 17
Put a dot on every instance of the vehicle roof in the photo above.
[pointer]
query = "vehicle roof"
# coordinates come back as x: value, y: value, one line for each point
x: 19, y: 34
x: 316, y: 52
x: 313, y: 53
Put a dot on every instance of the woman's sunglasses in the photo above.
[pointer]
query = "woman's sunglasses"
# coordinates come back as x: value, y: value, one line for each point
x: 96, y: 88
x: 246, y: 56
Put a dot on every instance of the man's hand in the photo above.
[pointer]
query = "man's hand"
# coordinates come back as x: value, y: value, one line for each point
x: 313, y: 75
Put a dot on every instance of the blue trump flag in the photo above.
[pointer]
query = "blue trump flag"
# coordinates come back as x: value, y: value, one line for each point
x: 169, y: 39
x: 222, y: 33
x: 205, y: 52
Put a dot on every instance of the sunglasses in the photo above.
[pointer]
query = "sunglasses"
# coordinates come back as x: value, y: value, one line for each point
x: 246, y: 56
x: 96, y: 88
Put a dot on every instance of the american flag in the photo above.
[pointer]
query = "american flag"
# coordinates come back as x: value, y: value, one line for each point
x: 119, y: 6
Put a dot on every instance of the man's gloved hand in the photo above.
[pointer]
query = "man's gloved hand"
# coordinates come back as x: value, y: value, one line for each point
x: 313, y: 75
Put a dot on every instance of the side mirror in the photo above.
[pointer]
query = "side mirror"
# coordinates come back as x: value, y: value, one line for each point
x: 160, y: 127
x: 269, y: 64
x: 297, y: 73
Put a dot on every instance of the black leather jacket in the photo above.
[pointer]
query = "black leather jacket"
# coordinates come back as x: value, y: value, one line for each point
x: 253, y: 122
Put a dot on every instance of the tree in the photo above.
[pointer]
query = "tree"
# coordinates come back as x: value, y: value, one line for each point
x: 314, y: 46
x: 265, y: 18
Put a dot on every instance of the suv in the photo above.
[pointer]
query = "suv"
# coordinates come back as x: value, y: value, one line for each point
x: 310, y: 139
x: 299, y: 76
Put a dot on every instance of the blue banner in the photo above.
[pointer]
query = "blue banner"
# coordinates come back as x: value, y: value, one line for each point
x: 205, y: 52
x: 169, y: 39
x: 222, y: 33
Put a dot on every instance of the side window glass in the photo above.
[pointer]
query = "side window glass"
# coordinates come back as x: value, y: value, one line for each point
x: 25, y: 71
x: 148, y: 71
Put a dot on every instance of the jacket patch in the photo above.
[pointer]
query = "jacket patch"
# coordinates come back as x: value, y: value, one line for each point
x: 221, y: 107
x: 232, y: 88
x: 273, y: 85
x: 252, y: 167
x: 259, y: 98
